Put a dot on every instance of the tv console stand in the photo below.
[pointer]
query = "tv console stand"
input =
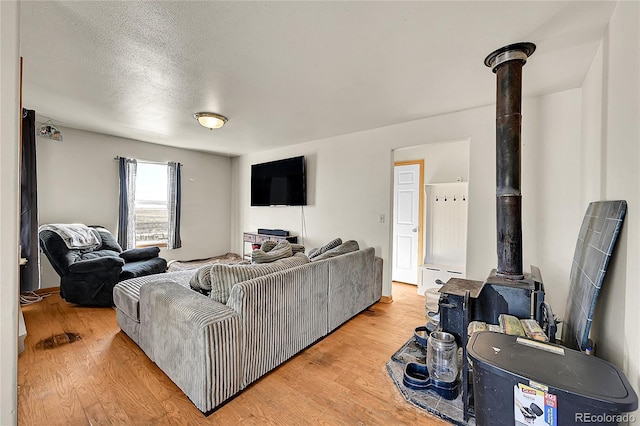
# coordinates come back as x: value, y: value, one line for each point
x: 256, y: 238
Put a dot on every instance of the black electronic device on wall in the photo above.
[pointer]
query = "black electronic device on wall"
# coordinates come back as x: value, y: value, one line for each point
x: 279, y: 183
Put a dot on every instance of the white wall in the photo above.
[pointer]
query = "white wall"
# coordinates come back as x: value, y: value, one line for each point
x: 350, y: 180
x: 443, y: 161
x: 593, y: 155
x: 551, y: 190
x: 334, y: 181
x: 78, y: 183
x: 614, y: 78
x: 9, y: 141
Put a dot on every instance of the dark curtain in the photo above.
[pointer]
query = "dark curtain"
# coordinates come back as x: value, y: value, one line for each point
x: 123, y: 210
x: 29, y: 249
x: 126, y: 212
x: 174, y: 192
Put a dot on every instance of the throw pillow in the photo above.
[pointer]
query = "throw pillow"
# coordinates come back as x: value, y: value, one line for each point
x: 108, y: 240
x: 297, y: 248
x: 345, y: 248
x: 224, y: 277
x: 268, y: 245
x: 201, y: 279
x: 280, y: 251
x: 330, y: 245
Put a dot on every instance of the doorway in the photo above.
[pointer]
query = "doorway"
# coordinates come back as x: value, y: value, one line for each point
x: 441, y: 163
x: 408, y: 205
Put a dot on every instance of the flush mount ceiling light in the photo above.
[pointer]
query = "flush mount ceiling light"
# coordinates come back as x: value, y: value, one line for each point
x: 210, y: 120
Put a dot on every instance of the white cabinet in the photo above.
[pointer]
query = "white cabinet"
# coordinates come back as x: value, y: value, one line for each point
x: 446, y: 223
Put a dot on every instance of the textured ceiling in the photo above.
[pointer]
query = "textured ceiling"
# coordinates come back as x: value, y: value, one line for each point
x: 286, y: 72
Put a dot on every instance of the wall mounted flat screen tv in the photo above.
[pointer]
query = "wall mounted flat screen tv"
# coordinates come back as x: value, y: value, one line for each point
x: 279, y: 183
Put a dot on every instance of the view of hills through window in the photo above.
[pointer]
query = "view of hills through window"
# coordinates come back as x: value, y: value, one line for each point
x: 152, y: 214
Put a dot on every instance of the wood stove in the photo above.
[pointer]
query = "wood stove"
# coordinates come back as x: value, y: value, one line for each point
x: 507, y: 289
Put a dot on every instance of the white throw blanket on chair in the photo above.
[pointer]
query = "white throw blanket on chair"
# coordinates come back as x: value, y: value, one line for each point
x: 75, y: 235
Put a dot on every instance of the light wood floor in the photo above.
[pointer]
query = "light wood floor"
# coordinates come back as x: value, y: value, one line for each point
x: 104, y: 378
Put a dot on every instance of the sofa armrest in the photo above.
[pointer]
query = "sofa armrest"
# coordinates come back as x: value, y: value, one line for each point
x: 377, y: 287
x: 137, y: 254
x: 92, y: 265
x: 352, y: 285
x: 195, y: 340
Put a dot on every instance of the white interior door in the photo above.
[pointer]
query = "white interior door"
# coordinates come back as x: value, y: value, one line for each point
x: 406, y: 223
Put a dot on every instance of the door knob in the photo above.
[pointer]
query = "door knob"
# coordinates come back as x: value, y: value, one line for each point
x: 414, y: 230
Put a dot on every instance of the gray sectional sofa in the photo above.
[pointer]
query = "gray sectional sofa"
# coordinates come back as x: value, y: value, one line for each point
x: 212, y: 351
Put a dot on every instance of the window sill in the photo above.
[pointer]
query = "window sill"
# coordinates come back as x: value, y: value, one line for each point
x: 151, y: 244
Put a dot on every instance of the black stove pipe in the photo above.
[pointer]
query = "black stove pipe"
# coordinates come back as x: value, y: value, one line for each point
x: 507, y: 63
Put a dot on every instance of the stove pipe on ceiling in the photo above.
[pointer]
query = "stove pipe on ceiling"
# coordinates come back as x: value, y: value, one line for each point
x: 507, y: 63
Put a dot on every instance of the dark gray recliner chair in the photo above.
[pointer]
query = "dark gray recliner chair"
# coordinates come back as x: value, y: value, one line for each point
x: 87, y: 277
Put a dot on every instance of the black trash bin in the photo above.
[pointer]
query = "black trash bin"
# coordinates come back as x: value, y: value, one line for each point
x: 520, y: 381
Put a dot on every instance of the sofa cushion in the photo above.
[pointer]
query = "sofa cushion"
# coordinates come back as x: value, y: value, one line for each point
x: 297, y: 248
x: 346, y: 247
x: 330, y: 245
x: 280, y: 251
x: 223, y: 277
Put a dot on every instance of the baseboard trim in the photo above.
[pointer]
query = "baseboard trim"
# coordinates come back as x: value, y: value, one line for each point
x: 47, y: 290
x: 386, y: 299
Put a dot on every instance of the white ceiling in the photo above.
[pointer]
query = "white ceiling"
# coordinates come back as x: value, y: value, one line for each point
x: 286, y: 72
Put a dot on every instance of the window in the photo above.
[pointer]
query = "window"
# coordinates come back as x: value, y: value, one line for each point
x: 151, y: 207
x: 149, y: 204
